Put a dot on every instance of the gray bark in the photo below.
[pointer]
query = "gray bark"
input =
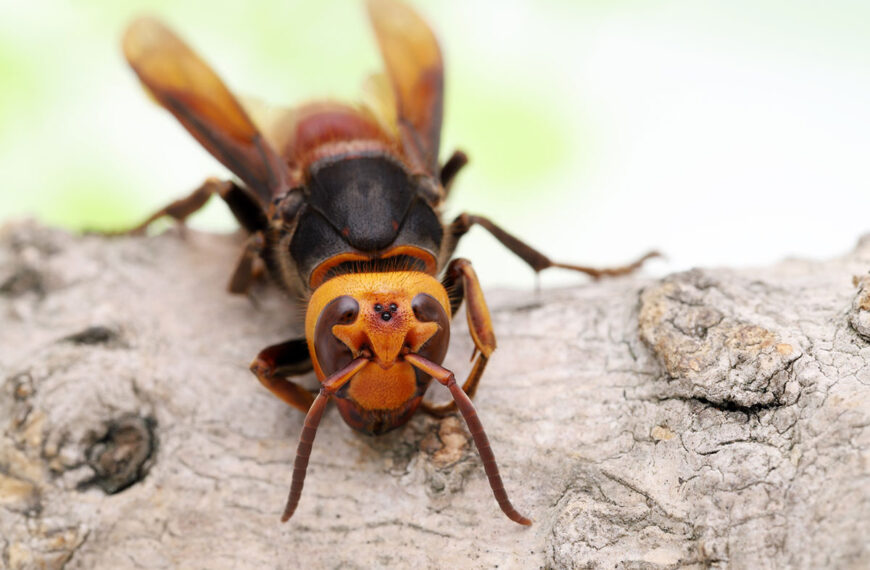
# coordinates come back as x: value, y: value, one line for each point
x: 712, y: 418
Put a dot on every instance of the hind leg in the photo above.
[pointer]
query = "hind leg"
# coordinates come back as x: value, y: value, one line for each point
x: 534, y: 258
x: 245, y: 207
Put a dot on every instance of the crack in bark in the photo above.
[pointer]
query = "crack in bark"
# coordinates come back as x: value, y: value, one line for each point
x: 723, y: 406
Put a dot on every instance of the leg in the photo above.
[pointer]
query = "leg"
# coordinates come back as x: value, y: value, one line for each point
x: 275, y: 363
x: 451, y: 168
x: 249, y: 267
x: 536, y: 260
x: 461, y: 282
x: 446, y: 378
x: 245, y: 207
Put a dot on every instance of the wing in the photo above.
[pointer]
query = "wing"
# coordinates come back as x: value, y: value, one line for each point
x: 378, y: 98
x: 188, y: 88
x: 416, y: 71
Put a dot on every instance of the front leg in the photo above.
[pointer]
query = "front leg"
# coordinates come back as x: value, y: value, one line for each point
x: 275, y: 363
x: 462, y: 284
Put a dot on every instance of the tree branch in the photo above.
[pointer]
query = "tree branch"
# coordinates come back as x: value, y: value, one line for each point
x: 714, y: 417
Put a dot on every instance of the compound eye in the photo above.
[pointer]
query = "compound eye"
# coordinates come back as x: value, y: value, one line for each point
x: 342, y: 311
x: 331, y: 353
x: 428, y: 310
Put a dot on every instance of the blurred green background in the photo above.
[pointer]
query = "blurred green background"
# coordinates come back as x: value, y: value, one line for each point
x: 719, y: 132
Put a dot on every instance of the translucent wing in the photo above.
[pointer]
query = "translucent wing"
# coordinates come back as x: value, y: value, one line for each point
x: 379, y: 99
x: 416, y: 71
x: 188, y: 88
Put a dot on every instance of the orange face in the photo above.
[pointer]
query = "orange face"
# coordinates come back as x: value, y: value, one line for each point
x: 381, y: 316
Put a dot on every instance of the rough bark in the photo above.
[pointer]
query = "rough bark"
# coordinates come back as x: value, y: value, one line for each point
x: 712, y: 418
